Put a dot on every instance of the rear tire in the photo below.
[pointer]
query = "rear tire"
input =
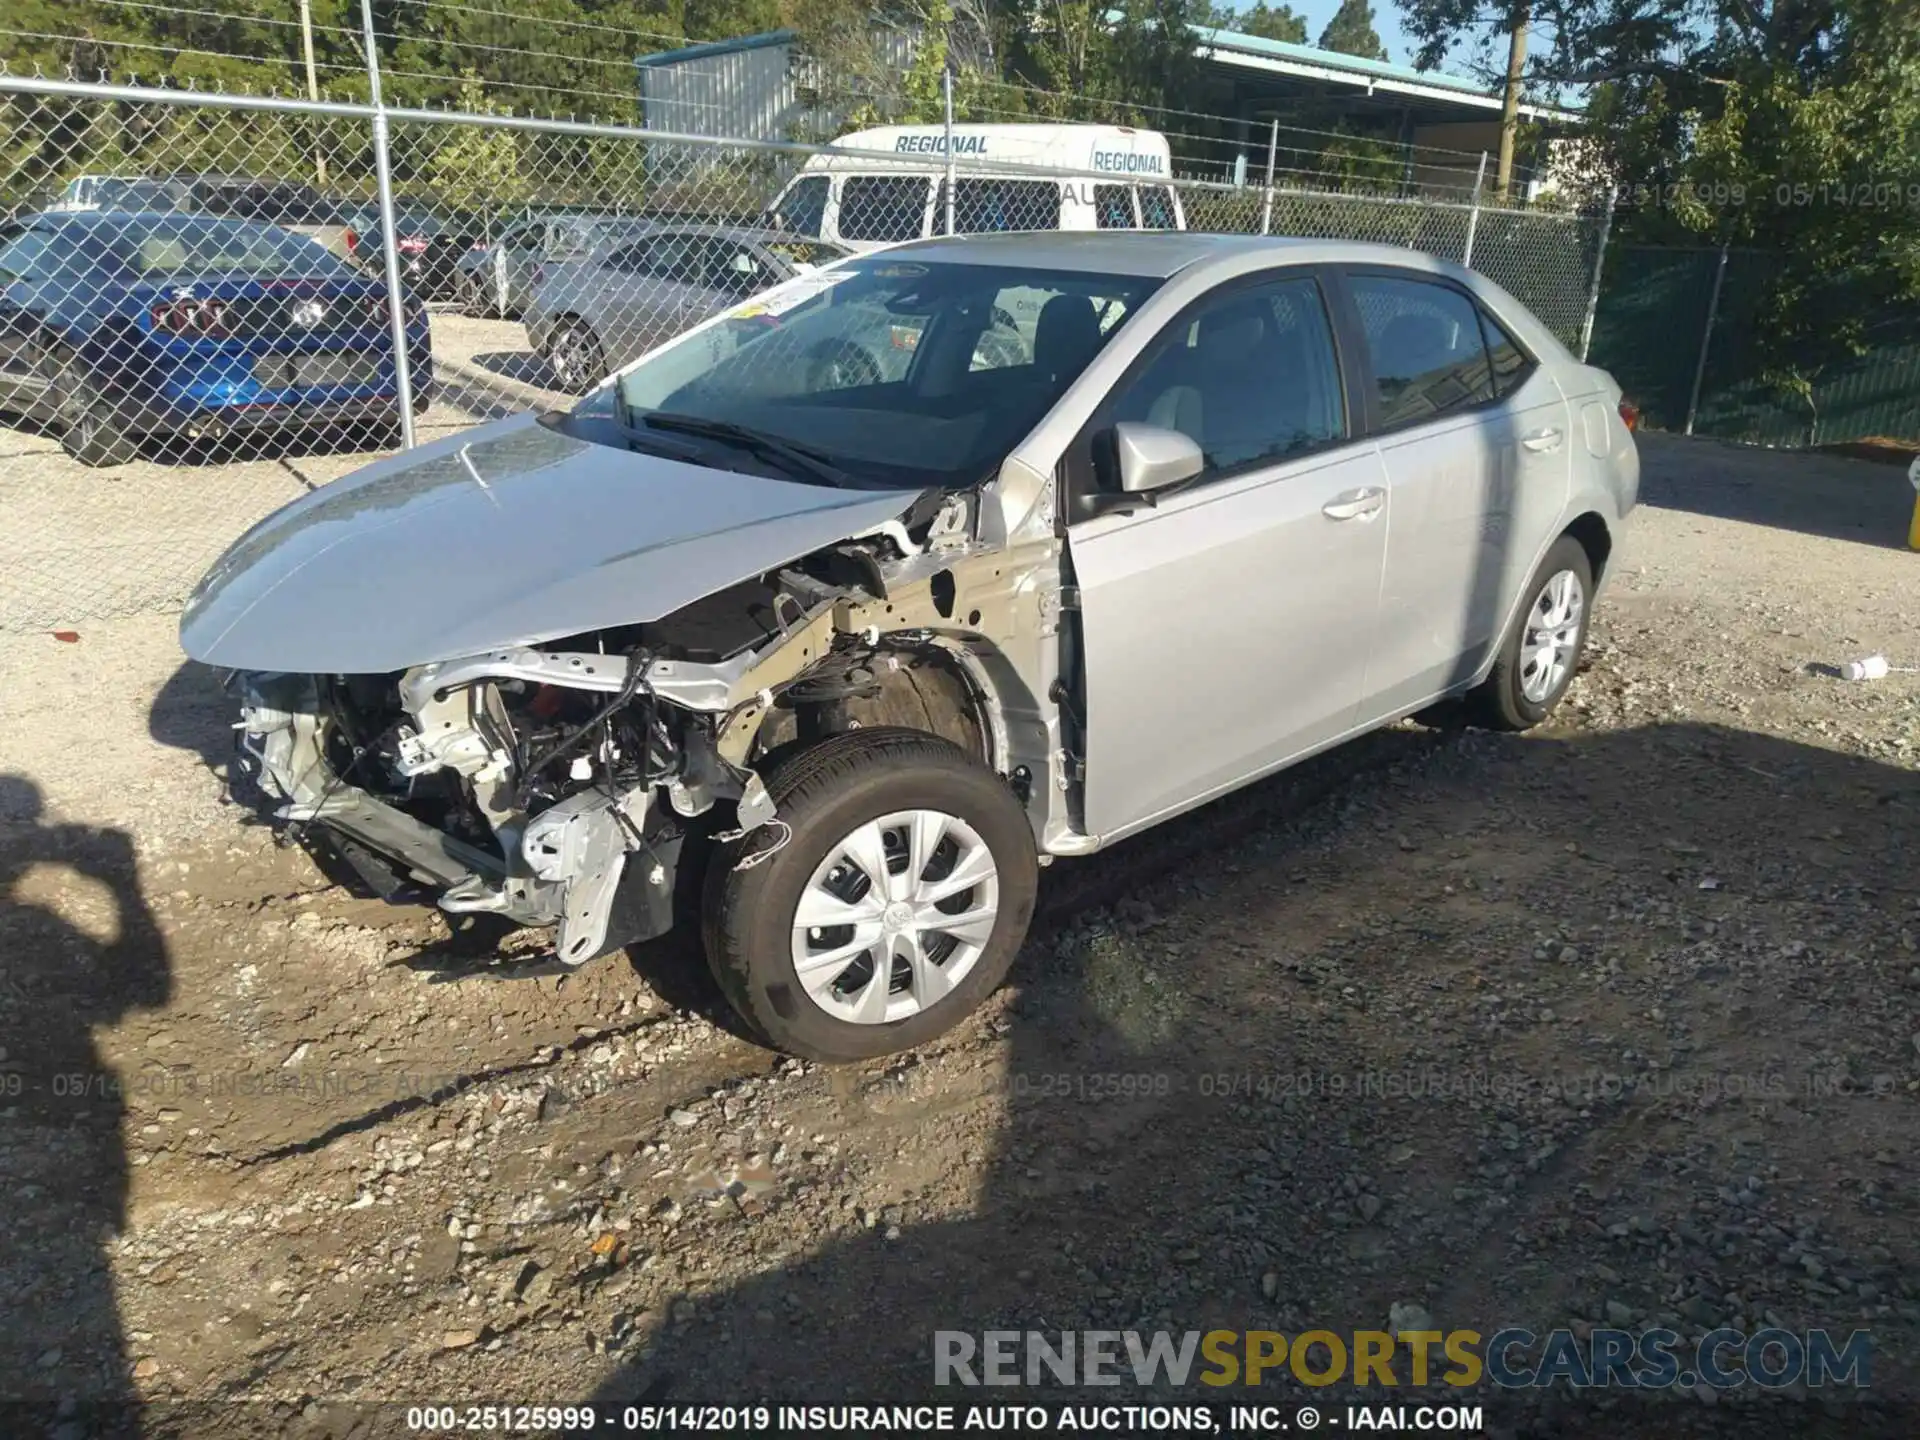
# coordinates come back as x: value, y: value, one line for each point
x: 833, y: 796
x: 1541, y: 652
x: 88, y: 431
x: 575, y: 355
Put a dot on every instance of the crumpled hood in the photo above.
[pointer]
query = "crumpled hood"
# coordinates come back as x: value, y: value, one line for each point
x: 509, y: 534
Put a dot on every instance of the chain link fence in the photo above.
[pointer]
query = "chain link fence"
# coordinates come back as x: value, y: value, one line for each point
x: 201, y: 289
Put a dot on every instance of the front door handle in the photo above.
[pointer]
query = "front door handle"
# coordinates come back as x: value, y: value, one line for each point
x: 1547, y: 439
x: 1356, y: 504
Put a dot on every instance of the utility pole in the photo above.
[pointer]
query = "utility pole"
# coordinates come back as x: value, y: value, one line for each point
x: 313, y: 88
x: 1510, y: 104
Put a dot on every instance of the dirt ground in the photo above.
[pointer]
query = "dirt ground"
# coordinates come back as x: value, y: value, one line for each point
x: 1611, y: 1024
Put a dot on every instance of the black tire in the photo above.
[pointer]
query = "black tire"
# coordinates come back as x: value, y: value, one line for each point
x: 574, y: 353
x: 824, y: 793
x: 88, y: 430
x: 1501, y: 701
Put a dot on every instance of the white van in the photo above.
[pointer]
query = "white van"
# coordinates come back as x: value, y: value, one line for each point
x: 861, y: 199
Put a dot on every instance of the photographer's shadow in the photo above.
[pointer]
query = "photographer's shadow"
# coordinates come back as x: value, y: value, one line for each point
x: 79, y: 950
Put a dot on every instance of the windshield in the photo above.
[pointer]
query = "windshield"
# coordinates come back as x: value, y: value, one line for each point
x: 220, y: 247
x: 895, y: 371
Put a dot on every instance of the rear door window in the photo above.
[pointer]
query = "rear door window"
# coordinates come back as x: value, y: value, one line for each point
x: 884, y: 208
x: 1113, y: 208
x: 1156, y: 208
x: 984, y: 207
x: 734, y: 268
x: 1424, y: 342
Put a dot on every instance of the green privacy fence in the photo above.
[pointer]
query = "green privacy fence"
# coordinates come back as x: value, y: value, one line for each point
x: 1658, y: 308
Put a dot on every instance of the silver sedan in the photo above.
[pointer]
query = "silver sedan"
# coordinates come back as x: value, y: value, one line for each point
x: 874, y: 591
x: 646, y: 283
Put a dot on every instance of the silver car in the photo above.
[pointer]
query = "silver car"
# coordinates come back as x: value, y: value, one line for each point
x: 596, y: 311
x: 497, y: 279
x: 828, y: 624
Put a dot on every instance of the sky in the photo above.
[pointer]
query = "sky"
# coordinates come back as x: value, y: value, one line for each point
x: 1386, y: 23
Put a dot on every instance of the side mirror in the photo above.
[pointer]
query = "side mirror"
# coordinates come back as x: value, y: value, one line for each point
x: 1152, y: 457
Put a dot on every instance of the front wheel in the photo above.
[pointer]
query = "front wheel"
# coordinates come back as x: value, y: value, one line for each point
x: 904, y: 886
x: 1542, y: 650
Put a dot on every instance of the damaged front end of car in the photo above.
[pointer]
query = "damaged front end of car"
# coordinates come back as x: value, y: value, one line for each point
x: 572, y: 784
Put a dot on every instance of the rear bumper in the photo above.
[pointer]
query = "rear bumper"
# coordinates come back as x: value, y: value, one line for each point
x: 220, y: 401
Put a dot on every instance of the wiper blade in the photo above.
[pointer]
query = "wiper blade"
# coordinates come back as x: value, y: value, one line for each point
x: 795, y: 459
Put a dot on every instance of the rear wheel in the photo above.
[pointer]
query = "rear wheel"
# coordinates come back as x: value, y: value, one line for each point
x: 89, y: 430
x: 576, y: 357
x: 1542, y: 650
x: 892, y: 909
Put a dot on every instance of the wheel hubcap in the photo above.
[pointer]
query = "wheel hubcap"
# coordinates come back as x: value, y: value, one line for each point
x: 1547, y: 650
x: 896, y: 915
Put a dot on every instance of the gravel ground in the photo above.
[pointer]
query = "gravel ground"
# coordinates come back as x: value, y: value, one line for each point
x: 1614, y: 1023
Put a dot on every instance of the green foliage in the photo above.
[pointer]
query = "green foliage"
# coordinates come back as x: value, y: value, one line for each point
x: 1788, y: 126
x: 1359, y: 163
x: 1351, y: 32
x: 1281, y: 22
x: 473, y: 167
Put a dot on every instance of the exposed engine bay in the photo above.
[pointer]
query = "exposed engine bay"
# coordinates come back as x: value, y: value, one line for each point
x: 563, y: 785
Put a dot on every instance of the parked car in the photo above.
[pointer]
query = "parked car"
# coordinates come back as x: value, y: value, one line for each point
x: 299, y: 208
x: 115, y: 325
x: 288, y: 204
x: 122, y: 192
x: 496, y: 279
x: 637, y: 288
x: 431, y: 240
x: 818, y: 624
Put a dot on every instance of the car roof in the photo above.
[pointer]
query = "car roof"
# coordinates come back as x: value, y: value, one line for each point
x: 1158, y: 253
x: 642, y: 226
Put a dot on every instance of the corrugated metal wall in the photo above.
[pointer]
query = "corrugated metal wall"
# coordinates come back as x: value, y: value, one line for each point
x: 758, y: 93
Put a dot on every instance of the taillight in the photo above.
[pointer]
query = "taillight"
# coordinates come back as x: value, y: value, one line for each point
x: 194, y: 318
x: 353, y: 240
x: 412, y: 245
x: 1630, y: 414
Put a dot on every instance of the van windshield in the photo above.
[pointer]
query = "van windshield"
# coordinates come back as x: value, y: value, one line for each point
x: 898, y: 373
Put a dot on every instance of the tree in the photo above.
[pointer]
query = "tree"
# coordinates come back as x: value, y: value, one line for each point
x: 1280, y: 22
x: 1782, y: 125
x: 1351, y: 32
x: 475, y: 167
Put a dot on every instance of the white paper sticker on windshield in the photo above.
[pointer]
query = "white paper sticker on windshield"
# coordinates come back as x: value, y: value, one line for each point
x: 797, y: 292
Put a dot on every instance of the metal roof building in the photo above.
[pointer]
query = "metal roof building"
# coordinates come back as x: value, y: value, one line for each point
x: 759, y: 87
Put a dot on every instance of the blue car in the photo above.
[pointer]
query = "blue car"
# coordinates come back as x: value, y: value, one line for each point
x: 117, y: 325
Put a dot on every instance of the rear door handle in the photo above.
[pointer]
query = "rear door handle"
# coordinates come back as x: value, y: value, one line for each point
x: 1356, y: 504
x: 1547, y: 439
